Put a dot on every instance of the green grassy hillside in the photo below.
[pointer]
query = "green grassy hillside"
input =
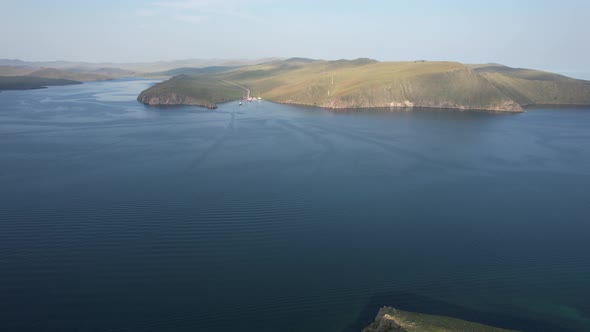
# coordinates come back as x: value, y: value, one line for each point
x: 191, y: 90
x: 533, y: 87
x: 364, y: 83
x: 16, y: 77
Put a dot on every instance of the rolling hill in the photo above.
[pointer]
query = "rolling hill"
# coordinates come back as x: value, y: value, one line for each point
x: 15, y: 70
x: 70, y: 75
x: 191, y: 71
x: 191, y: 90
x: 135, y: 67
x: 365, y: 83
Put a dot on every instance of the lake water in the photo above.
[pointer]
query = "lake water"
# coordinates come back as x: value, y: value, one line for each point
x: 119, y: 217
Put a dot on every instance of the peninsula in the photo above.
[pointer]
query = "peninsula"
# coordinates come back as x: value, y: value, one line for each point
x: 29, y: 77
x: 367, y: 83
x: 31, y: 82
x: 391, y: 320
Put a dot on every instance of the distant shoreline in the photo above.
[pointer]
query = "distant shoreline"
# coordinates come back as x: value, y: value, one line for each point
x: 13, y: 83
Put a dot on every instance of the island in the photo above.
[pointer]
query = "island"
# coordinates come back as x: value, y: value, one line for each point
x: 367, y: 83
x: 393, y: 320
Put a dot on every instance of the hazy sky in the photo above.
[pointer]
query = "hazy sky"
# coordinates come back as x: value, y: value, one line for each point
x: 552, y: 35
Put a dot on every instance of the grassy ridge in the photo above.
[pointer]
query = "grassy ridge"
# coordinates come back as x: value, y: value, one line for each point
x: 368, y: 83
x: 22, y: 78
x: 190, y: 71
x: 533, y: 87
x: 384, y: 84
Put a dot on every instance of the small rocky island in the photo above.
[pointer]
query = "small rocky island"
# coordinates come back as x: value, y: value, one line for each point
x: 367, y: 83
x: 392, y: 320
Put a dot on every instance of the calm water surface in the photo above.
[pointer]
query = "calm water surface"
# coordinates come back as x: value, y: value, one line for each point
x: 266, y: 217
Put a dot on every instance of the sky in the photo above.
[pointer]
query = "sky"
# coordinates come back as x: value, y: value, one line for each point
x: 541, y: 34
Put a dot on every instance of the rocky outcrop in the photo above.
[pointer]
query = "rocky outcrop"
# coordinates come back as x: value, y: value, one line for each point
x: 393, y: 320
x: 385, y: 322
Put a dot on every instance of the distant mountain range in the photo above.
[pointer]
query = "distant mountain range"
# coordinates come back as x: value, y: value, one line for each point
x: 136, y: 67
x: 365, y: 83
x: 191, y: 71
x: 18, y: 74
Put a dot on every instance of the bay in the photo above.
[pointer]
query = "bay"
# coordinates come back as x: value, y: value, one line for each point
x: 266, y: 217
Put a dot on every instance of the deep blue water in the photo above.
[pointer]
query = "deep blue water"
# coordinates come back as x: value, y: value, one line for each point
x: 266, y: 217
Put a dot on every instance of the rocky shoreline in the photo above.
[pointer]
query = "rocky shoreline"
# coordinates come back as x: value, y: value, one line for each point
x: 509, y: 108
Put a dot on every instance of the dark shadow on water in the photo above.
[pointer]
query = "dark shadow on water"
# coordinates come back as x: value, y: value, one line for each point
x: 422, y: 304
